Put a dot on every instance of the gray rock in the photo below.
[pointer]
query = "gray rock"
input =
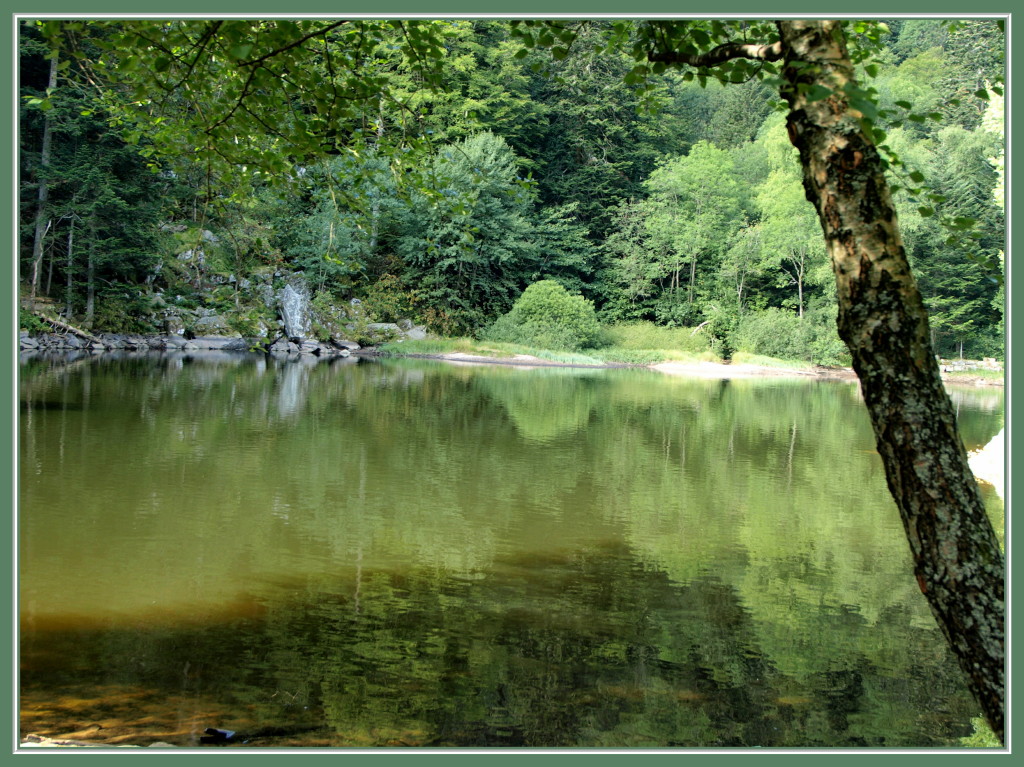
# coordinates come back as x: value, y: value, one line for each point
x: 213, y: 342
x: 417, y: 333
x: 212, y: 325
x: 341, y: 343
x: 294, y: 302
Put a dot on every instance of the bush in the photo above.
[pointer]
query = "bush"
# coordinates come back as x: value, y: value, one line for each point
x: 772, y: 332
x: 29, y: 322
x: 548, y: 316
x: 388, y: 300
x: 784, y: 335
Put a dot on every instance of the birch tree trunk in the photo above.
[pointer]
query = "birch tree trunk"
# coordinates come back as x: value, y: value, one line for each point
x: 957, y: 557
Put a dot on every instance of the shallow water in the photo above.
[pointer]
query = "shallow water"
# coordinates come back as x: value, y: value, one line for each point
x: 413, y: 553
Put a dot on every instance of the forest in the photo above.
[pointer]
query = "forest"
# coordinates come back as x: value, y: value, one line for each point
x: 676, y: 202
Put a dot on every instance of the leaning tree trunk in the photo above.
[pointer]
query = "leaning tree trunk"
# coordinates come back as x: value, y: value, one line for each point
x: 882, y: 319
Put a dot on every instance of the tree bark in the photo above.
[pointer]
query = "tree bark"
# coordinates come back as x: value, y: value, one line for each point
x: 44, y: 191
x: 90, y: 274
x: 957, y: 557
x: 69, y: 269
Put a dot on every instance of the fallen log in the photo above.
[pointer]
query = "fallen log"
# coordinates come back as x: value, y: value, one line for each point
x: 68, y: 328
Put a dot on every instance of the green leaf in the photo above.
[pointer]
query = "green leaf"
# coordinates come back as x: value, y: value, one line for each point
x: 699, y: 36
x: 917, y: 176
x: 926, y: 211
x: 982, y: 93
x: 865, y: 107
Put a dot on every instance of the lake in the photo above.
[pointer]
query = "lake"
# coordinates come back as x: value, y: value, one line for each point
x: 393, y: 553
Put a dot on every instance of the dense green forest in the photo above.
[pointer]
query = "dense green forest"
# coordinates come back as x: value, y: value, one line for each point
x: 679, y: 204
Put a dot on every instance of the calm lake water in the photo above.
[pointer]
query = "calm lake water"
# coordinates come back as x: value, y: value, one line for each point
x: 415, y: 553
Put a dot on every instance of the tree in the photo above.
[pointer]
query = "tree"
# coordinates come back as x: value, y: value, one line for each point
x: 832, y: 120
x: 882, y: 318
x: 469, y: 247
x: 791, y: 236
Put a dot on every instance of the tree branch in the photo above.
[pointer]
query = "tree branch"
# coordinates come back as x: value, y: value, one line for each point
x: 720, y: 54
x: 293, y: 44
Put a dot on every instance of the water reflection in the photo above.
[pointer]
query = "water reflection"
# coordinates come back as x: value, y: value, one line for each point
x: 408, y: 553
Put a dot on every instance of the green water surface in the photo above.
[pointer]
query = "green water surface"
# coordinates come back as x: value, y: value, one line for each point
x: 416, y: 553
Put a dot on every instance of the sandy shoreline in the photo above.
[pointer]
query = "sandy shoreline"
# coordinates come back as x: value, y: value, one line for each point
x: 713, y: 370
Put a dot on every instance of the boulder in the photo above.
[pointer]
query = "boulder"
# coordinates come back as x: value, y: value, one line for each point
x: 294, y: 301
x: 212, y: 325
x: 219, y: 342
x: 350, y: 346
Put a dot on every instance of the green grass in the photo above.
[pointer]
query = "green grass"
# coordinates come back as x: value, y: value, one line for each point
x: 646, y: 336
x: 972, y: 374
x: 496, y: 349
x: 636, y: 343
x: 437, y: 345
x: 652, y: 356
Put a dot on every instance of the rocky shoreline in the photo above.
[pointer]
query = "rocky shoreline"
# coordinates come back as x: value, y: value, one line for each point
x: 69, y: 342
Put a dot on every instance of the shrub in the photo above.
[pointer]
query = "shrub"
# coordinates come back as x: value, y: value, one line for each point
x: 772, y: 332
x: 784, y: 335
x: 388, y: 300
x: 31, y: 323
x: 546, y: 315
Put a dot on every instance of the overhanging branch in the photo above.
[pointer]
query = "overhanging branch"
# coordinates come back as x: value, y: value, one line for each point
x: 720, y: 54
